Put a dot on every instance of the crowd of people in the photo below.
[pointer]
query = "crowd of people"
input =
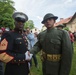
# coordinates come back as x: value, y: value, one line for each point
x: 16, y: 47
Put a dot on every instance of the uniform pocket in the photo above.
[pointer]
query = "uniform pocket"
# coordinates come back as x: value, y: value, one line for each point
x: 42, y: 42
x: 18, y: 42
x: 54, y: 41
x: 56, y: 44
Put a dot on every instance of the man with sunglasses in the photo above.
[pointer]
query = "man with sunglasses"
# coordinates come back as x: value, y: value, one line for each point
x: 13, y: 48
x: 56, y: 48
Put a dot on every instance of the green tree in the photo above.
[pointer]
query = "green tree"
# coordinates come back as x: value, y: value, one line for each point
x: 6, y: 21
x: 6, y: 6
x: 66, y: 28
x: 29, y: 24
x: 6, y: 11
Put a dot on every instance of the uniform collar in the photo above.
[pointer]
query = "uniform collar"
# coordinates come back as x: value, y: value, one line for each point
x: 18, y: 31
x: 50, y: 29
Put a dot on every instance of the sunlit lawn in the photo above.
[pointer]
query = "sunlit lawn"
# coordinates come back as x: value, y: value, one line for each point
x: 35, y: 71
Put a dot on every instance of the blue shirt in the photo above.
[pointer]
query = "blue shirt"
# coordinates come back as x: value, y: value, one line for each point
x: 31, y: 39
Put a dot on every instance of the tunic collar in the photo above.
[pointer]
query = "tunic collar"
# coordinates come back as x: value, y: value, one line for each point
x: 50, y: 29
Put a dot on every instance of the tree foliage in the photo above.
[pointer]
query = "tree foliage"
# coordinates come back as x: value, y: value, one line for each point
x: 6, y: 11
x: 29, y: 24
x: 66, y: 28
x: 6, y: 6
x: 6, y: 21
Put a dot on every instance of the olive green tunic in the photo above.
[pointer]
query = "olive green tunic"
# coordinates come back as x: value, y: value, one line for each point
x: 57, y: 50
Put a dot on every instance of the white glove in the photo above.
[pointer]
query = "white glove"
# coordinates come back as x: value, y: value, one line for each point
x: 28, y: 57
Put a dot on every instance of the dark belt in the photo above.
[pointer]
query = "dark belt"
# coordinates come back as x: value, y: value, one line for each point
x: 18, y: 62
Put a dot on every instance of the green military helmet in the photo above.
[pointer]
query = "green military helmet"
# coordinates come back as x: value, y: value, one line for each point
x: 47, y: 16
x: 60, y: 25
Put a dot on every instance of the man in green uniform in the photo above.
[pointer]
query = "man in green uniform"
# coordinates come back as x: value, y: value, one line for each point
x: 56, y: 48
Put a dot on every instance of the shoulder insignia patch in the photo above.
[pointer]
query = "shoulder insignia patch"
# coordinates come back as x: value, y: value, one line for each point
x: 5, y: 57
x: 3, y: 44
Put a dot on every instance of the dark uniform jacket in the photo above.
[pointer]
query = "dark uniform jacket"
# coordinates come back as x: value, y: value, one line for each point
x: 1, y: 67
x: 56, y: 51
x: 12, y: 51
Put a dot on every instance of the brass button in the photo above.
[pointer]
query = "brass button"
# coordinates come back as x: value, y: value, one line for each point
x: 26, y: 44
x: 14, y: 60
x: 20, y: 42
x: 26, y: 39
x: 19, y: 60
x: 23, y: 60
x: 23, y: 37
x: 18, y: 64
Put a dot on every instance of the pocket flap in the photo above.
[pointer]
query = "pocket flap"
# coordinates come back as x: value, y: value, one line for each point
x: 54, y: 41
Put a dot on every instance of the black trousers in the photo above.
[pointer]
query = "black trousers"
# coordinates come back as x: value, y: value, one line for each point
x: 16, y: 69
x: 1, y: 68
x: 35, y: 60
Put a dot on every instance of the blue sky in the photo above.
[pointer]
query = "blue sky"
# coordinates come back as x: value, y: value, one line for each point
x: 36, y: 9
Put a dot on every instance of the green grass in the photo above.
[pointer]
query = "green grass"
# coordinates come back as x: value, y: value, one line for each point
x: 73, y: 69
x: 35, y: 71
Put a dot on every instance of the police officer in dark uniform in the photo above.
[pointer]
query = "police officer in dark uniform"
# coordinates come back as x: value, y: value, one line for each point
x: 13, y: 48
x: 56, y: 48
